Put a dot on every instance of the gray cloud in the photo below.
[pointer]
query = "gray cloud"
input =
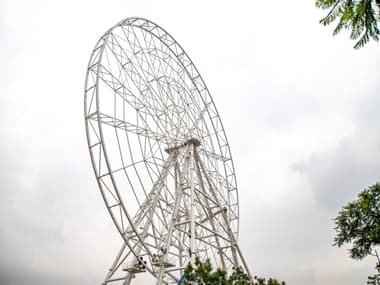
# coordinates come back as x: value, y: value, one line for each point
x: 338, y: 175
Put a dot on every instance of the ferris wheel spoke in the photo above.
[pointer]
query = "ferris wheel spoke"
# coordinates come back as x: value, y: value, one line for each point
x: 115, y: 84
x: 185, y: 109
x: 159, y: 77
x: 149, y: 62
x: 153, y: 60
x: 148, y: 77
x: 123, y: 58
x: 214, y: 155
x: 129, y: 127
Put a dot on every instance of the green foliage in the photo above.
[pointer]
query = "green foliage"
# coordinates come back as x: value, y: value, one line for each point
x: 359, y: 223
x: 359, y: 16
x: 374, y: 279
x: 270, y: 281
x: 203, y: 273
x: 238, y: 277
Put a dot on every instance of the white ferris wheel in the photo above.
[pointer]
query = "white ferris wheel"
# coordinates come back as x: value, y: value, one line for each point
x: 160, y: 156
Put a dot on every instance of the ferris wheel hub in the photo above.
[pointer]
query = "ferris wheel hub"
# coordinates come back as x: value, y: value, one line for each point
x: 193, y: 141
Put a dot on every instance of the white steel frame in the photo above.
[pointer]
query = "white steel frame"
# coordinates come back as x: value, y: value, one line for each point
x: 160, y: 155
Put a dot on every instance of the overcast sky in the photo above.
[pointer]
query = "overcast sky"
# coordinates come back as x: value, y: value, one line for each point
x: 299, y: 106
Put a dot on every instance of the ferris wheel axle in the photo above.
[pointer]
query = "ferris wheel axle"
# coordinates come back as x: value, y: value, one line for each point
x: 192, y: 141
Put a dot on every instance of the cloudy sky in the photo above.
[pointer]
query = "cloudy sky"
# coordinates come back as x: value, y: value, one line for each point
x: 300, y: 109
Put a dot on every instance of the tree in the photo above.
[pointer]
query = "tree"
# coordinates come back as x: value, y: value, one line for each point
x: 358, y: 224
x: 203, y: 273
x: 360, y: 16
x: 270, y: 281
x: 374, y: 279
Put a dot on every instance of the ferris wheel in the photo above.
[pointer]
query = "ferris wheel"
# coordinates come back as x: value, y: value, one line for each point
x: 160, y: 156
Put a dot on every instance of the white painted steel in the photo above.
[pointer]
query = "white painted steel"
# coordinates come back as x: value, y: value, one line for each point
x: 160, y: 155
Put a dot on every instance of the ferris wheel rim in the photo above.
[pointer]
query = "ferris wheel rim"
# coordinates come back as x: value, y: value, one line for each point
x: 102, y: 141
x: 134, y: 19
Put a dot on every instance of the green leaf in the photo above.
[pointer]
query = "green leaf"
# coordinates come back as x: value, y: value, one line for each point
x: 359, y: 16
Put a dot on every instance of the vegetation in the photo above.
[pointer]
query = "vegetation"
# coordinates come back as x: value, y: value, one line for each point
x: 203, y: 273
x: 270, y: 281
x: 358, y: 224
x: 375, y: 279
x: 359, y: 16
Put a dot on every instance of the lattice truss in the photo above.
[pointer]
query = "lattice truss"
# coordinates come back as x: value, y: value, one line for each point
x: 160, y: 155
